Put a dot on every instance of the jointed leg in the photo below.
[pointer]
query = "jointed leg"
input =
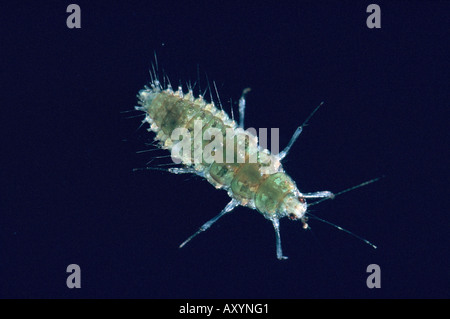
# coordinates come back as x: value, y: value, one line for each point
x: 297, y: 132
x: 294, y: 137
x: 230, y: 206
x: 276, y: 226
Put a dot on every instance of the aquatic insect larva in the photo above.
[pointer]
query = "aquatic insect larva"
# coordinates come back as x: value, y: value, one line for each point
x: 261, y: 184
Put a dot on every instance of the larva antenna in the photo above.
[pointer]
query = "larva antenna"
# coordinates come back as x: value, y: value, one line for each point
x: 346, y: 190
x: 342, y: 229
x: 337, y: 194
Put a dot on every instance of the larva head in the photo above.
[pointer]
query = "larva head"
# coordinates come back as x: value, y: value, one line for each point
x: 278, y: 197
x: 294, y: 206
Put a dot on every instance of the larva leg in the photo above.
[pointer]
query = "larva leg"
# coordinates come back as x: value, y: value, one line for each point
x: 230, y: 206
x: 276, y: 226
x: 297, y: 132
x: 294, y: 137
x: 242, y: 107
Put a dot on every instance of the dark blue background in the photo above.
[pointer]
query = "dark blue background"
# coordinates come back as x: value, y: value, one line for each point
x: 68, y: 193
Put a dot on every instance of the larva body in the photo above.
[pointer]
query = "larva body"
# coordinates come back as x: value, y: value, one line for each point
x: 273, y: 195
x: 259, y: 184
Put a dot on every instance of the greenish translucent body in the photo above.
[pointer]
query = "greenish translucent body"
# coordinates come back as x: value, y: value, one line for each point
x: 246, y: 181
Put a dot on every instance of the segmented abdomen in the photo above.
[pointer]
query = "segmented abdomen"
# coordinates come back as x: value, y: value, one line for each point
x: 261, y: 184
